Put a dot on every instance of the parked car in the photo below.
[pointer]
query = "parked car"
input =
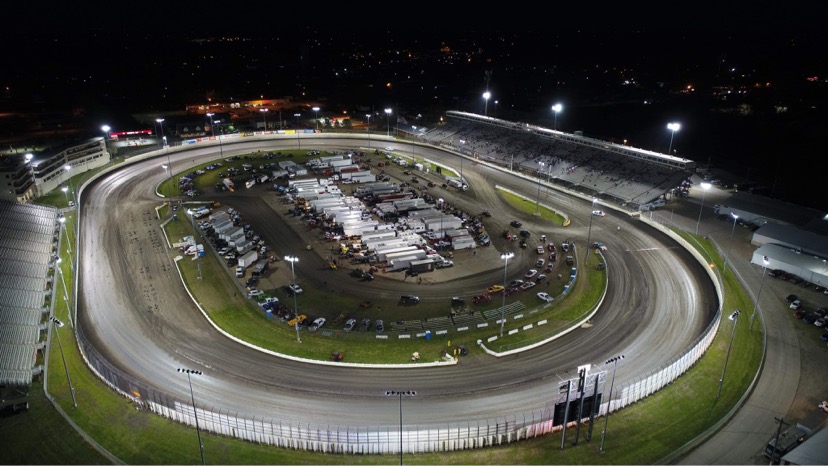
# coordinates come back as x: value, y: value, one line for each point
x: 799, y: 314
x: 317, y: 323
x: 527, y: 285
x: 298, y: 319
x: 531, y: 273
x: 495, y: 289
x: 254, y: 293
x: 294, y: 289
x: 791, y: 298
x: 808, y: 319
x: 545, y: 296
x: 349, y: 325
x: 365, y: 325
x: 539, y: 250
x: 570, y: 260
x: 540, y: 263
x: 776, y: 273
x: 599, y: 213
x: 515, y: 283
x: 379, y: 326
x: 795, y: 304
x: 239, y: 271
x: 515, y: 224
x: 409, y: 299
x: 824, y: 337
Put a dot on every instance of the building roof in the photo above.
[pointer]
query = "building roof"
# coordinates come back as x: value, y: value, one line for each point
x: 804, y: 240
x: 814, y: 450
x: 780, y: 211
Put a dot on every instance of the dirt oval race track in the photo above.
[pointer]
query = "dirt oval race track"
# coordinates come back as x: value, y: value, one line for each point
x: 135, y: 311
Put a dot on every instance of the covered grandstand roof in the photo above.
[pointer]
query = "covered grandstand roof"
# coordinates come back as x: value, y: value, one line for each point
x: 610, y: 171
x: 27, y: 238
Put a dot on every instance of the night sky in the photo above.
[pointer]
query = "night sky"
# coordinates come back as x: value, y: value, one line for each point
x: 116, y: 60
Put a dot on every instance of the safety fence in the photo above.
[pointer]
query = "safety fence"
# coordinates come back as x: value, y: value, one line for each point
x: 388, y: 439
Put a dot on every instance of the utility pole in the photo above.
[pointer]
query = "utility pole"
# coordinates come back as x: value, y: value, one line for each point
x: 781, y: 422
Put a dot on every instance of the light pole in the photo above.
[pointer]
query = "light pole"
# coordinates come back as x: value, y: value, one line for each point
x: 293, y: 260
x: 765, y: 262
x: 58, y: 323
x: 68, y: 243
x: 557, y: 109
x: 401, y: 394
x: 673, y: 127
x: 212, y: 130
x: 735, y: 318
x: 486, y: 96
x: 589, y: 232
x: 537, y: 201
x: 105, y: 129
x: 198, y: 256
x: 299, y: 141
x: 705, y: 186
x: 65, y: 290
x: 505, y: 256
x: 264, y: 117
x: 195, y: 414
x: 495, y: 108
x: 221, y: 148
x: 68, y: 168
x: 388, y: 121
x: 614, y: 362
x: 368, y: 116
x: 730, y: 244
x: 463, y: 150
x: 316, y: 116
x: 161, y: 132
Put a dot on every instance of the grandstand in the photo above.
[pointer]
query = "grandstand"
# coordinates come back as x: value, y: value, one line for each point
x: 29, y: 235
x: 627, y: 175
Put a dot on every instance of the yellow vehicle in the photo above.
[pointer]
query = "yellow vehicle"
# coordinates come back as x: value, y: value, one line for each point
x: 495, y: 289
x: 298, y: 319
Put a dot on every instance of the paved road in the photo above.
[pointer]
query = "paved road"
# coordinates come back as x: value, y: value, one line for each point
x: 134, y: 308
x: 792, y: 381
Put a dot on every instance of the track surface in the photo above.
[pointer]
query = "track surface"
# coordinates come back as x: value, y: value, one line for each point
x: 134, y: 309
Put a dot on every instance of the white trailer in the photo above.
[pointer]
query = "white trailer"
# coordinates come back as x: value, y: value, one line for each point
x: 401, y: 263
x: 418, y: 253
x: 248, y: 259
x: 384, y: 251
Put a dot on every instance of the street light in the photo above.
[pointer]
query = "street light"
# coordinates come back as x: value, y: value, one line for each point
x: 486, y: 96
x: 495, y: 108
x: 316, y: 117
x: 264, y: 117
x: 212, y: 130
x: 672, y: 127
x: 161, y: 125
x: 505, y: 256
x: 105, y: 129
x: 735, y: 318
x: 614, y: 362
x: 65, y: 290
x: 705, y: 187
x: 537, y: 201
x: 557, y: 109
x: 401, y: 394
x: 68, y: 243
x: 368, y: 116
x: 727, y: 256
x: 293, y: 260
x: 589, y: 232
x: 198, y: 256
x: 765, y: 262
x: 388, y: 120
x: 195, y: 414
x: 299, y: 141
x: 58, y: 323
